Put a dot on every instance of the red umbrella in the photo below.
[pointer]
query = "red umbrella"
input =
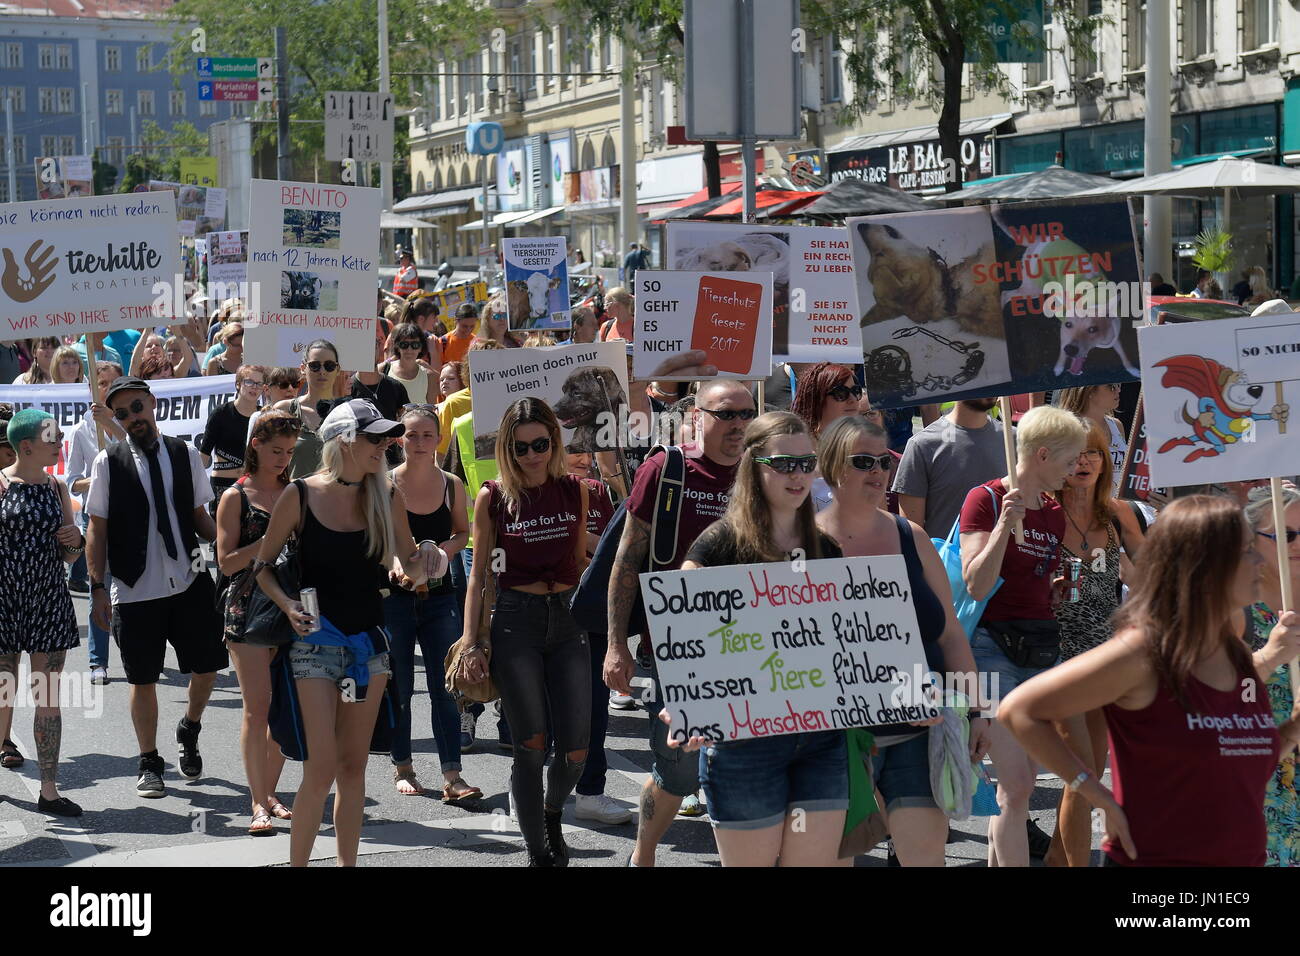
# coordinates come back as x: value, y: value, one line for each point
x: 763, y: 199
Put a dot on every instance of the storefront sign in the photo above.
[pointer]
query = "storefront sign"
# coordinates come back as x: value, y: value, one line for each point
x: 913, y: 167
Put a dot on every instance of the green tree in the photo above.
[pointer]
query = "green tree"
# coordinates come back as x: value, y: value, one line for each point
x: 161, y: 153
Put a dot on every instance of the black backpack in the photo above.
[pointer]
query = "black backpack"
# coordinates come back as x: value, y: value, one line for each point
x: 590, y: 602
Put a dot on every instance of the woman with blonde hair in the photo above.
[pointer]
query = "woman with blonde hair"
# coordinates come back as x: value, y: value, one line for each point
x: 227, y: 362
x: 494, y: 323
x: 619, y: 306
x: 66, y: 367
x: 42, y: 351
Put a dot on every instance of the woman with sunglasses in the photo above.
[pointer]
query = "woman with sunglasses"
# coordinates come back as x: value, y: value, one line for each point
x: 824, y: 393
x: 37, y: 538
x: 429, y: 618
x: 1097, y: 404
x: 354, y: 524
x: 1017, y: 636
x: 1193, y: 754
x: 1281, y: 800
x: 857, y: 463
x: 409, y: 364
x: 225, y: 436
x: 320, y: 367
x: 243, y: 515
x: 494, y: 323
x: 541, y: 663
x: 282, y: 385
x: 228, y: 361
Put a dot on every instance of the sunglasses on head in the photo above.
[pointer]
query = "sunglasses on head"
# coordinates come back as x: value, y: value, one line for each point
x: 419, y: 407
x: 1291, y: 535
x: 327, y: 365
x: 135, y: 408
x: 789, y: 464
x: 539, y: 445
x: 730, y: 414
x: 843, y: 392
x: 872, y: 462
x: 409, y: 344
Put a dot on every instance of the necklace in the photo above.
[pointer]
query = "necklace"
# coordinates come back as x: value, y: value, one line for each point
x: 1083, y: 536
x: 349, y: 484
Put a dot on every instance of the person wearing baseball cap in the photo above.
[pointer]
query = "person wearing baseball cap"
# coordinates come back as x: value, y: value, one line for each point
x: 353, y: 524
x: 147, y: 505
x: 407, y: 279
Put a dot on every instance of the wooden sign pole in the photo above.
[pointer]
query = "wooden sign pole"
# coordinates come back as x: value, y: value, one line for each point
x: 93, y: 340
x: 1009, y: 446
x: 1284, y: 567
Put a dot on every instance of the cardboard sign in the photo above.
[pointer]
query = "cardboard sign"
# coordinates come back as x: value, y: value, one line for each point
x: 585, y: 385
x: 312, y: 254
x: 694, y: 326
x: 1218, y: 399
x: 87, y: 265
x: 759, y: 650
x: 995, y: 300
x: 813, y: 291
x: 537, y: 283
x: 199, y: 209
x: 228, y: 265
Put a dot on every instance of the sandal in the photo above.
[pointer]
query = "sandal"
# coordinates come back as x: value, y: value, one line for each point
x: 466, y: 793
x: 262, y: 824
x: 10, y: 758
x: 280, y: 811
x: 407, y: 775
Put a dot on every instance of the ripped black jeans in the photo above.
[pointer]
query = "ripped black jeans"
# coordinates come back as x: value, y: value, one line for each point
x: 541, y: 664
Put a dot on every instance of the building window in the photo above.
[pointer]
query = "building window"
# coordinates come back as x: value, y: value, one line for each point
x: 67, y: 146
x: 64, y: 57
x: 1260, y: 23
x: 113, y: 102
x: 18, y: 96
x: 144, y: 102
x: 607, y: 51
x: 4, y: 190
x: 20, y: 150
x: 1137, y: 34
x: 112, y: 58
x: 1198, y: 28
x: 67, y: 100
x: 45, y: 99
x: 144, y: 59
x: 466, y: 86
x: 49, y: 145
x: 45, y: 57
x: 207, y: 108
x: 530, y: 61
x: 176, y: 103
x: 14, y: 56
x: 115, y: 149
x: 1090, y: 62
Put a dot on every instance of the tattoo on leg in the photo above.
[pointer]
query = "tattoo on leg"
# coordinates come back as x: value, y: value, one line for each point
x: 647, y: 807
x: 54, y: 660
x: 48, y: 731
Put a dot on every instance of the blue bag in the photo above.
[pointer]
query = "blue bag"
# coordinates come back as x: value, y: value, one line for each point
x: 968, y: 609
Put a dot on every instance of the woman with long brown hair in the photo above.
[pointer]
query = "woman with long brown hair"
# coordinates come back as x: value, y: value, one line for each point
x: 1193, y: 754
x: 42, y: 351
x: 824, y: 392
x: 1097, y: 403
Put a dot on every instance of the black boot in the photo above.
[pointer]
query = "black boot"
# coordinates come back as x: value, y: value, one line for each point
x: 540, y: 859
x: 555, y: 838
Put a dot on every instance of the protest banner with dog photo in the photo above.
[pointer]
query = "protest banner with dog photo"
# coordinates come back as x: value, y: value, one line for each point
x: 700, y: 325
x: 537, y: 283
x: 199, y: 209
x: 813, y: 292
x: 64, y: 177
x: 760, y: 650
x: 1218, y: 397
x: 585, y: 385
x: 93, y: 264
x: 227, y: 264
x: 994, y: 300
x: 312, y: 256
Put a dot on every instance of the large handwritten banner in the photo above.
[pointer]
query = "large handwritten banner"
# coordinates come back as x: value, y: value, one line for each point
x: 87, y: 265
x: 725, y: 317
x: 759, y: 650
x: 1218, y: 399
x: 312, y: 254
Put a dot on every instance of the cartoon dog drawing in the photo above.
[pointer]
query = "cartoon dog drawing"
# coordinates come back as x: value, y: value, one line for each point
x: 918, y: 283
x: 591, y: 395
x: 302, y: 292
x: 1224, y: 408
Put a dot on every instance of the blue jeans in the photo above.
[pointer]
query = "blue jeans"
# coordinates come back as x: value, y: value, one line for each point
x: 98, y: 637
x: 753, y: 784
x: 433, y: 622
x: 592, y: 782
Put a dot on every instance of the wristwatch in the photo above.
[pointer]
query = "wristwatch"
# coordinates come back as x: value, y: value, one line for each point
x: 98, y: 586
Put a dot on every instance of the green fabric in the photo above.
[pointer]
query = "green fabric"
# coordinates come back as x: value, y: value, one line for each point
x: 477, y: 470
x: 862, y: 791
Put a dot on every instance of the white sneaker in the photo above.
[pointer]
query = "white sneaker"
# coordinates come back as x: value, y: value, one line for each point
x: 602, y: 809
x: 621, y: 701
x: 510, y: 797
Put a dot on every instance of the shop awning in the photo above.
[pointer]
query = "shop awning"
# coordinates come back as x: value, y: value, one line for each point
x: 500, y: 219
x: 970, y: 127
x: 436, y: 201
x: 536, y: 215
x: 1195, y: 160
x: 391, y: 220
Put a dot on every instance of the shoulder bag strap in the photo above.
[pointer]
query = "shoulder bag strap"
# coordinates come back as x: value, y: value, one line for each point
x: 1140, y: 515
x: 302, y: 504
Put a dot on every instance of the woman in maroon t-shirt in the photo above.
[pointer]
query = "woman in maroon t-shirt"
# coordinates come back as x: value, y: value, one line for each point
x: 1192, y: 752
x: 534, y: 519
x: 1019, y: 615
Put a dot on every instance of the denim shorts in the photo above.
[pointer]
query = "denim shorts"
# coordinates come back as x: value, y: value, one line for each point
x: 328, y: 662
x: 902, y: 774
x: 753, y: 784
x: 992, y: 660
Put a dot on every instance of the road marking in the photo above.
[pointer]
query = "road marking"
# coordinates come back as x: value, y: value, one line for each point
x: 75, y: 840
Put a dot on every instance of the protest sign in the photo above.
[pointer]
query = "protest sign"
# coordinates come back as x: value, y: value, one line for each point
x: 813, y: 291
x: 1135, y: 474
x: 227, y: 265
x: 537, y: 282
x: 585, y: 385
x: 199, y: 170
x: 758, y: 650
x: 1218, y: 397
x: 199, y: 209
x: 453, y: 297
x: 996, y: 300
x: 87, y: 265
x: 60, y: 177
x: 318, y: 246
x: 697, y: 325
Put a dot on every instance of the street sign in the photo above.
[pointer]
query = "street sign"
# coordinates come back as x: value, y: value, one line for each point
x: 484, y: 139
x: 359, y: 125
x: 232, y: 90
x: 235, y: 67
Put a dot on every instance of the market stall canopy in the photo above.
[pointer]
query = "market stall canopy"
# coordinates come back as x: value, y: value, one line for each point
x: 391, y: 220
x: 852, y: 196
x: 1242, y: 176
x: 778, y: 201
x: 1054, y: 182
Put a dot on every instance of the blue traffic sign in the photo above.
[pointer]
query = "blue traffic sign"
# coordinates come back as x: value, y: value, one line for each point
x: 484, y: 139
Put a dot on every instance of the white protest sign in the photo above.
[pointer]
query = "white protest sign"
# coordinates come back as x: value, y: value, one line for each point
x: 312, y: 254
x: 585, y: 385
x: 228, y: 265
x: 814, y: 295
x: 699, y: 325
x: 758, y: 650
x: 88, y: 264
x: 359, y: 126
x: 1218, y: 398
x: 537, y: 282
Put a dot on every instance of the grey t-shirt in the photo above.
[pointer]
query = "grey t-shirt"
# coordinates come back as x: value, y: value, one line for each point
x: 942, y: 462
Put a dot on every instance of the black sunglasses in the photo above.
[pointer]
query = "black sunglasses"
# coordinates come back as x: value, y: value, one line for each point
x: 872, y: 462
x: 730, y: 414
x: 539, y: 445
x: 842, y: 392
x: 135, y: 408
x: 327, y: 365
x: 789, y: 464
x: 376, y: 439
x: 409, y: 344
x: 1291, y: 535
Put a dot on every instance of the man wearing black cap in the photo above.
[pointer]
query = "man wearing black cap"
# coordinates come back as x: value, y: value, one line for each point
x: 147, y: 514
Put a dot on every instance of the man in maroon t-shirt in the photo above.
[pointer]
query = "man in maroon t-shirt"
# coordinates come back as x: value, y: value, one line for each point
x: 710, y: 470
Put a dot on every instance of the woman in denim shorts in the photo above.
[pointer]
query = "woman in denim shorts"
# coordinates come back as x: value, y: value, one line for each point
x: 775, y: 798
x: 354, y: 523
x: 1049, y: 442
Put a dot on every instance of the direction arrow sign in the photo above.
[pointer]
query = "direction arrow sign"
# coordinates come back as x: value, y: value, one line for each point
x: 234, y: 67
x: 359, y: 125
x: 226, y: 90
